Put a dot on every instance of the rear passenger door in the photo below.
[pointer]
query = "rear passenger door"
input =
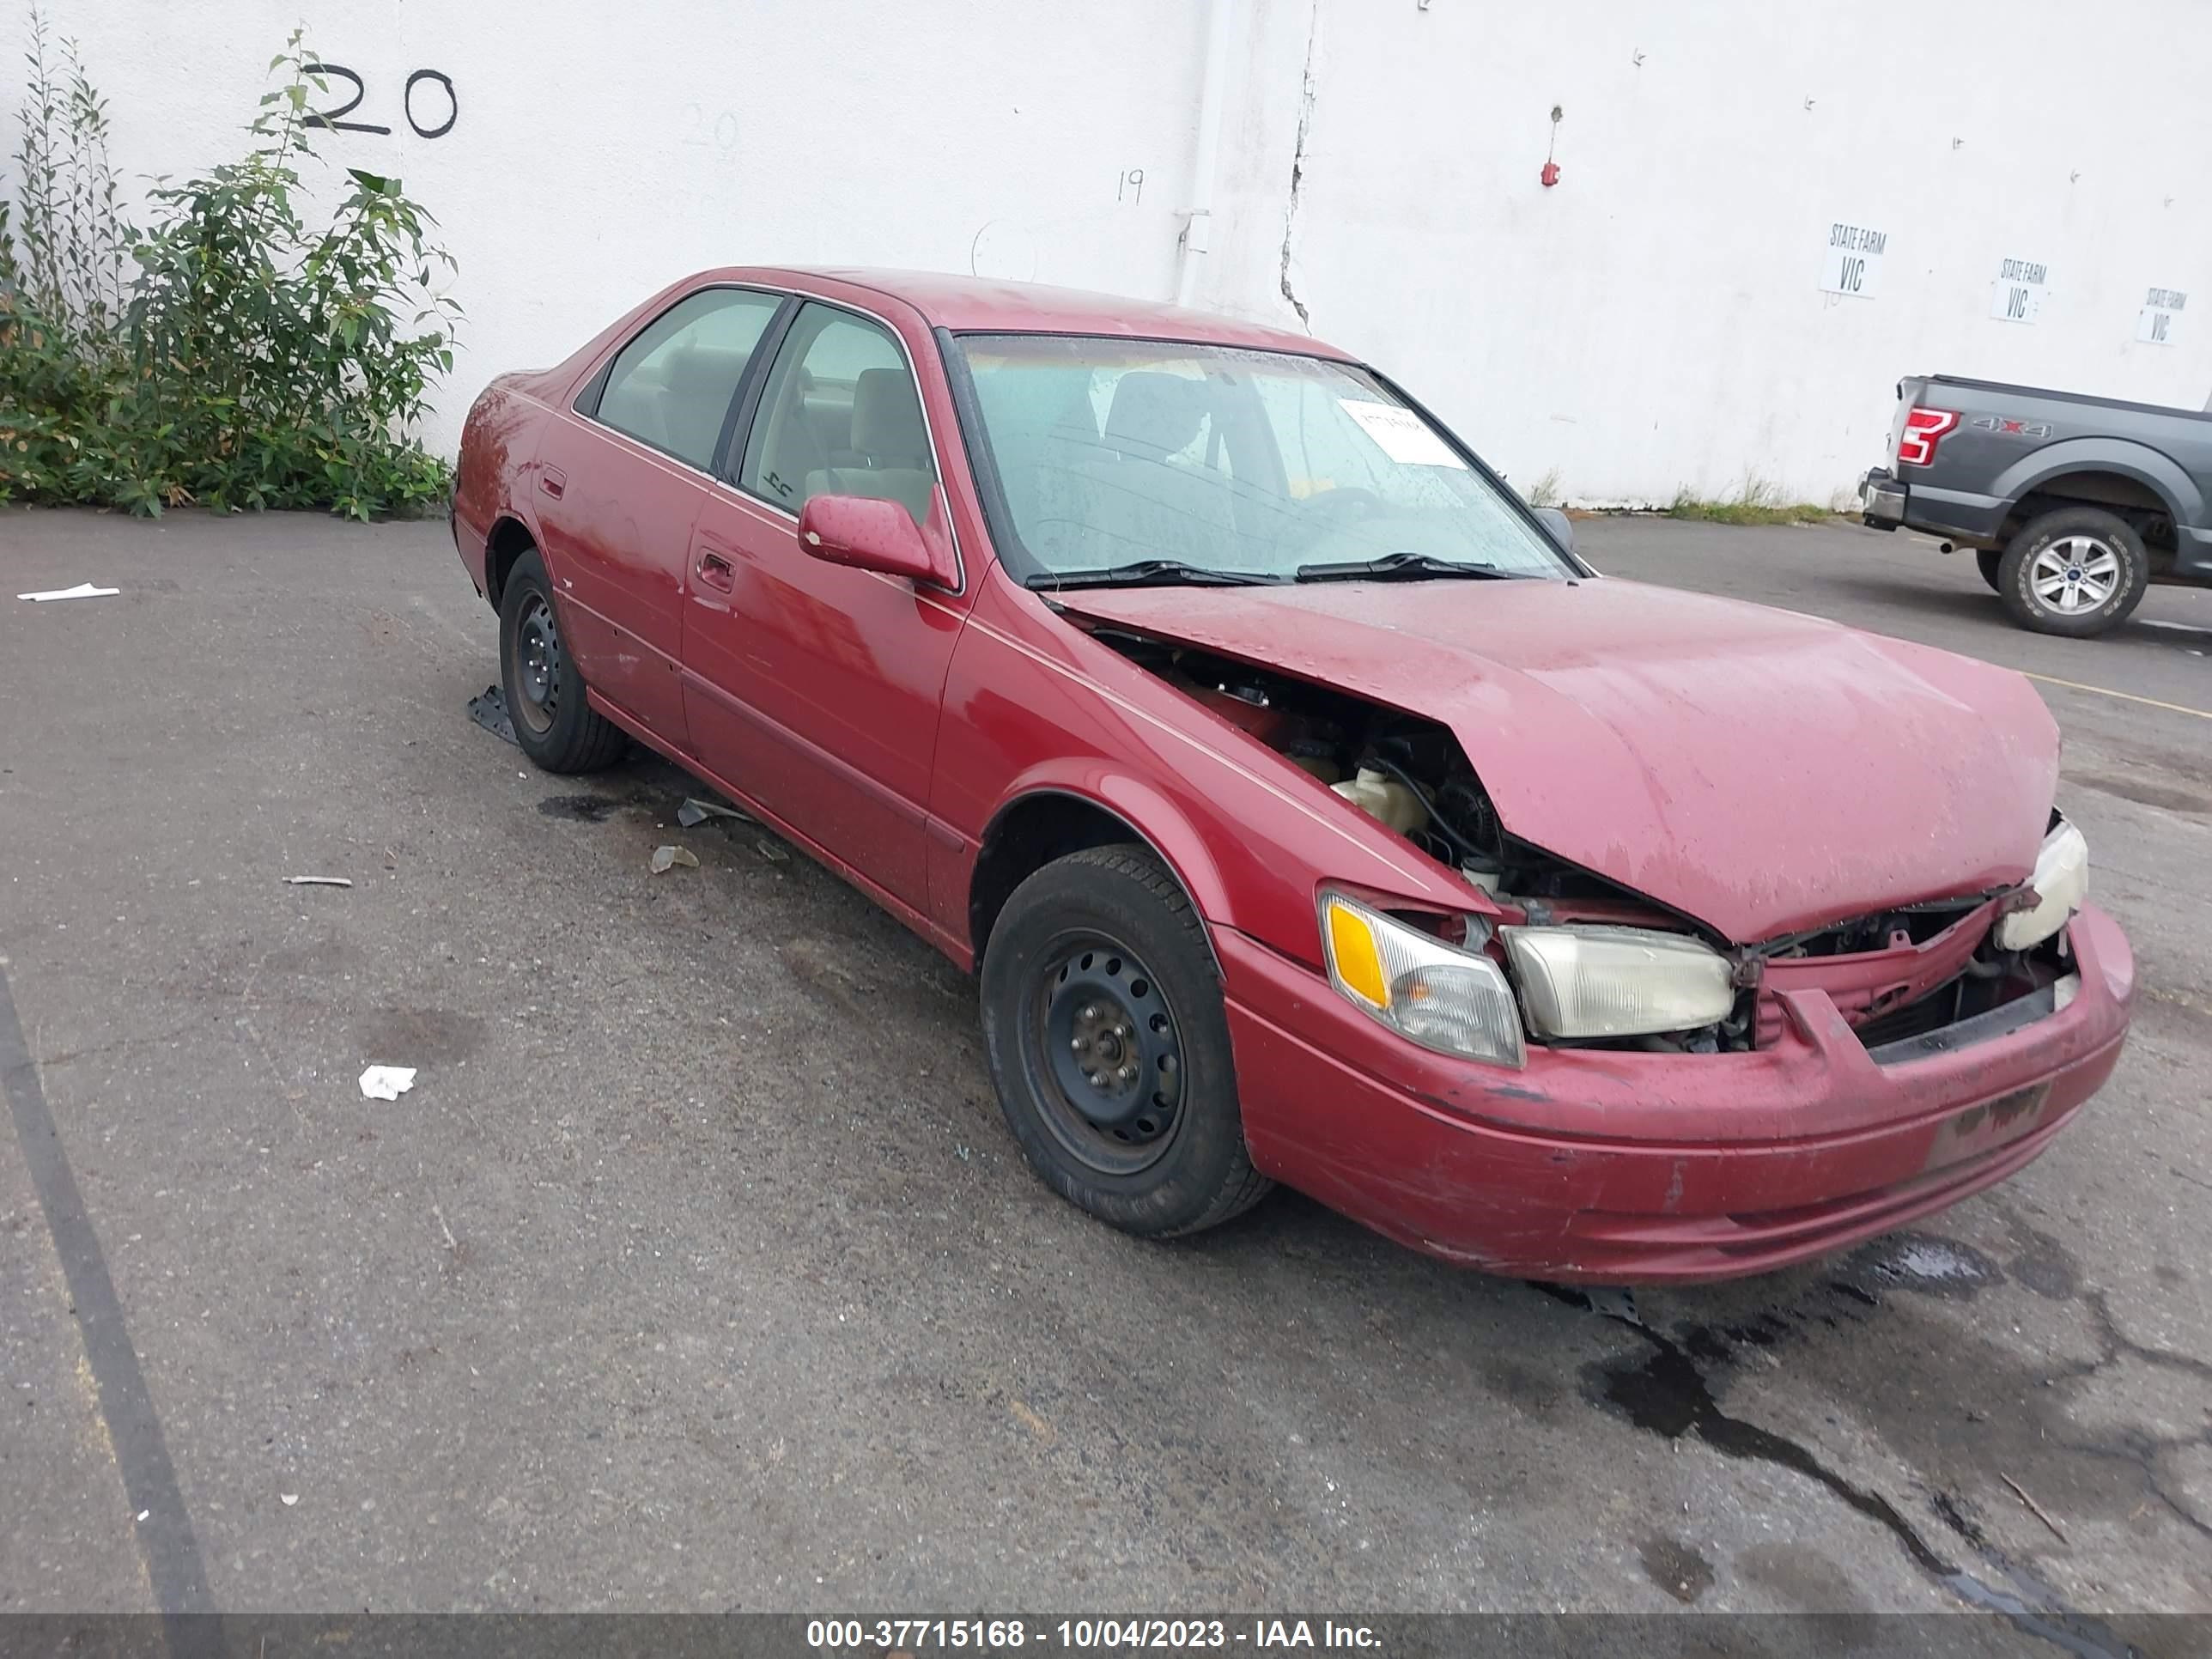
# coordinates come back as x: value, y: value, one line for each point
x: 620, y: 479
x: 814, y: 688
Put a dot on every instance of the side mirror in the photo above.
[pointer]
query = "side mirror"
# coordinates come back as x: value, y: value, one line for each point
x: 1561, y: 527
x: 867, y: 534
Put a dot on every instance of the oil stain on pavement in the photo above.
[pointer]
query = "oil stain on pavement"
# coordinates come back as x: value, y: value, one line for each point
x: 1673, y: 1391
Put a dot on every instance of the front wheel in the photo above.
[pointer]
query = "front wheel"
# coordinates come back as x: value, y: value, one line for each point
x: 2077, y: 572
x: 1103, y: 1024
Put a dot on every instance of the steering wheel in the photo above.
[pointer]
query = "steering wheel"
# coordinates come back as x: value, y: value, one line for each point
x: 1337, y: 508
x: 1343, y: 500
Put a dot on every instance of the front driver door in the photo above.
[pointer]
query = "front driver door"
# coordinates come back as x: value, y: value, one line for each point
x: 812, y: 688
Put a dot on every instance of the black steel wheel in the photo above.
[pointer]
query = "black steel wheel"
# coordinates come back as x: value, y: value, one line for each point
x: 554, y: 723
x: 538, y: 661
x: 1103, y: 1024
x: 1102, y: 1054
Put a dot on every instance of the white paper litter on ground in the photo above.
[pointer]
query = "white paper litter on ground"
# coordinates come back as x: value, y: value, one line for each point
x: 81, y: 591
x: 386, y: 1082
x: 318, y: 881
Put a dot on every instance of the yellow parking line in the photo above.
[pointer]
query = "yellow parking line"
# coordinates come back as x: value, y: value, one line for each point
x: 2127, y: 696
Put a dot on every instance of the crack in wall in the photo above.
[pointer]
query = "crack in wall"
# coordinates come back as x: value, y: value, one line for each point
x: 1298, y: 165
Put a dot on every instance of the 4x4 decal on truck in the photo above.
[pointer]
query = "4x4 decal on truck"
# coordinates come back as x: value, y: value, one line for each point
x: 2011, y: 428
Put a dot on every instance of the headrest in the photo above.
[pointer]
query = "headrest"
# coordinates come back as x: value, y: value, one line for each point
x: 703, y: 371
x: 1154, y: 415
x: 887, y: 416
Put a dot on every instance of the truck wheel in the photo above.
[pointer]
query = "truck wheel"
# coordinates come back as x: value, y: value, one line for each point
x: 2078, y: 571
x: 553, y: 724
x: 1103, y: 1025
x: 1990, y: 558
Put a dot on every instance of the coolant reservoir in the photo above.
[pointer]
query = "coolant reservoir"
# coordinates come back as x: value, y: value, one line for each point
x: 1383, y: 797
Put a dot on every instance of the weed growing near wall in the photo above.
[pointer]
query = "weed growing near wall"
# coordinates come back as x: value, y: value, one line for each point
x: 229, y: 354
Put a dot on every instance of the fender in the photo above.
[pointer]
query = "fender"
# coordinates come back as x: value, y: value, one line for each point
x: 1269, y: 897
x: 2184, y: 503
x: 1151, y: 818
x: 1034, y: 704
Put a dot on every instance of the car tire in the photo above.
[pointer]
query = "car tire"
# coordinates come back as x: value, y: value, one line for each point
x: 554, y: 723
x: 1989, y: 558
x: 2076, y: 571
x: 1098, y: 969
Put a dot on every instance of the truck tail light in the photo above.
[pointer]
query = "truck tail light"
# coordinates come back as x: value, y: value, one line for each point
x: 1916, y: 444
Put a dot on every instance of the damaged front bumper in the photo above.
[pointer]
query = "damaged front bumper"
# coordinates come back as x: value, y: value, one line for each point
x: 1613, y: 1167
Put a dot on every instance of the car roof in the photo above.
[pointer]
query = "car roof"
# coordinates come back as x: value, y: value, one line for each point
x: 979, y: 304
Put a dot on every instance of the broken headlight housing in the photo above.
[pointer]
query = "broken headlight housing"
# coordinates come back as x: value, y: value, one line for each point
x: 1596, y: 981
x: 1455, y: 1001
x: 2061, y: 882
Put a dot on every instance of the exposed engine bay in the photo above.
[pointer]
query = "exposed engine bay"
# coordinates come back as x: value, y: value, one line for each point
x: 1892, y: 974
x: 1407, y: 772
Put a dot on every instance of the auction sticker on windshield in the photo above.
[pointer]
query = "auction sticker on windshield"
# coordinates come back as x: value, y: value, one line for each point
x: 1401, y: 435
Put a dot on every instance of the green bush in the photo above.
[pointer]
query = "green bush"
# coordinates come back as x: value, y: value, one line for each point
x: 236, y: 357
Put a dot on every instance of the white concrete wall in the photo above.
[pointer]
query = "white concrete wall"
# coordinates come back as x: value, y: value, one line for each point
x: 1652, y: 322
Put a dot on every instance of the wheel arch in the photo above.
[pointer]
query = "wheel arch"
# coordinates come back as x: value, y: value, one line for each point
x: 1049, y: 820
x: 509, y: 540
x: 2104, y: 472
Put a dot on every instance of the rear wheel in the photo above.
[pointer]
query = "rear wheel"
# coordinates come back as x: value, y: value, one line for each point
x: 554, y: 723
x: 1103, y: 1024
x: 1990, y: 558
x: 2078, y: 571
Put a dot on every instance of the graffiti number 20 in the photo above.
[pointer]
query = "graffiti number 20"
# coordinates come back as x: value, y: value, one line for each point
x: 334, y: 118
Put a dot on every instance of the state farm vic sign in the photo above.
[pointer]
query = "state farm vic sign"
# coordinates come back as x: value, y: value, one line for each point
x: 1851, y: 263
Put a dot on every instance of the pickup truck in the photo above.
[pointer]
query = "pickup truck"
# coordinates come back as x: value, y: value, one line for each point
x: 2072, y: 504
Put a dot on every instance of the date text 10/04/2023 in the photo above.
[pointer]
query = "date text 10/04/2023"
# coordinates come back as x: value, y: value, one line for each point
x: 1110, y: 1635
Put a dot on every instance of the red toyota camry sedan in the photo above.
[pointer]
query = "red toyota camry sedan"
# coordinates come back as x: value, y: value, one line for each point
x: 1307, y: 810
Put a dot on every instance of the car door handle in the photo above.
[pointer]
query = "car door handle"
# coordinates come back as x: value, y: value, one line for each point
x: 552, y: 480
x: 715, y: 571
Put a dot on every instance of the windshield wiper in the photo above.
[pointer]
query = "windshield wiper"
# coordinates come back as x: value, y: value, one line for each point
x: 1144, y: 572
x: 1403, y: 564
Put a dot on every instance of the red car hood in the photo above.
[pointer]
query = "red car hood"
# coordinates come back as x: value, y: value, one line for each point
x: 1762, y: 771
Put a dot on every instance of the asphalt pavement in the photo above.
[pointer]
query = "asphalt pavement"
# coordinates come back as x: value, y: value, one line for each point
x: 697, y: 1271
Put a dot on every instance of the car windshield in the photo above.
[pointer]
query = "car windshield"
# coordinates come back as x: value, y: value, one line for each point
x: 1140, y: 461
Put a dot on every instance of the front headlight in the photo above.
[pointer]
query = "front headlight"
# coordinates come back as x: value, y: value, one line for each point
x: 2061, y: 882
x: 1617, y: 981
x: 1455, y: 1001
